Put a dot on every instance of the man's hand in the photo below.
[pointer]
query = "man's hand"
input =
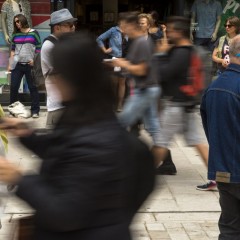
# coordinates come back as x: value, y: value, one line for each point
x: 163, y: 46
x: 120, y: 62
x: 9, y: 173
x: 16, y: 126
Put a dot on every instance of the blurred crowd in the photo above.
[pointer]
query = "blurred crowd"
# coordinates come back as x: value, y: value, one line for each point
x: 139, y: 74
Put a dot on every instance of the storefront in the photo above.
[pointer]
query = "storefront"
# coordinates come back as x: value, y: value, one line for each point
x: 99, y: 15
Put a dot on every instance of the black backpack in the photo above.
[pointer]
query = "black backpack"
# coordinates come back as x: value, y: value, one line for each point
x: 37, y: 74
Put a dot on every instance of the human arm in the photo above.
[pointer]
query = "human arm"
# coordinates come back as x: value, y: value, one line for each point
x: 139, y: 69
x: 215, y: 57
x: 218, y: 22
x: 204, y: 114
x: 4, y: 27
x: 103, y: 37
x: 192, y: 26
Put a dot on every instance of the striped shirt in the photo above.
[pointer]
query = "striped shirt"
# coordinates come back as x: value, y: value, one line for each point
x: 26, y: 45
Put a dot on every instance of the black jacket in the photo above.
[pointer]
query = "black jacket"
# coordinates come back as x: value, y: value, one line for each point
x: 92, y: 181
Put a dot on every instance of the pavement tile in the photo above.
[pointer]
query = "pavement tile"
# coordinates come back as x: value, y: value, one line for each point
x: 174, y: 211
x: 159, y: 235
x: 155, y: 227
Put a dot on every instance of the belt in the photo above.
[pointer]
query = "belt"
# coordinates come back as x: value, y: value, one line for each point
x: 23, y: 63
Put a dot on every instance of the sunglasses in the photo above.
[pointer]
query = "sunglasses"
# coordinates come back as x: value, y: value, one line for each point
x: 228, y: 25
x: 20, y: 7
x: 67, y: 25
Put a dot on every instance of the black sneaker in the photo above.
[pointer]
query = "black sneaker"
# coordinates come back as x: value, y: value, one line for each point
x: 210, y: 186
x: 168, y: 167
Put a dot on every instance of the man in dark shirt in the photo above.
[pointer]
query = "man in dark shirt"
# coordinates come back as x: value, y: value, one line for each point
x: 142, y: 103
x: 177, y: 116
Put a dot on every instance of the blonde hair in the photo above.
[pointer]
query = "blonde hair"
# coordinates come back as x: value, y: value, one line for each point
x: 147, y: 16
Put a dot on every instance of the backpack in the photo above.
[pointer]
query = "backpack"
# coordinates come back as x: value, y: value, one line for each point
x: 199, y: 74
x: 36, y: 72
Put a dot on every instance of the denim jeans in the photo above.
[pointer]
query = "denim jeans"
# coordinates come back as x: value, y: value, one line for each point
x: 229, y: 222
x: 16, y: 78
x: 143, y: 105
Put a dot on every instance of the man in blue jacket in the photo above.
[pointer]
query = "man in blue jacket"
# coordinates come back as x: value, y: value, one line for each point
x: 220, y: 111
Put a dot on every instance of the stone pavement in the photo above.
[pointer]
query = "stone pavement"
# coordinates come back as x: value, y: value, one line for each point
x: 174, y: 211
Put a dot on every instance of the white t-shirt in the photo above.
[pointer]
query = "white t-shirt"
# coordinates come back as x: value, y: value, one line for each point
x: 53, y: 95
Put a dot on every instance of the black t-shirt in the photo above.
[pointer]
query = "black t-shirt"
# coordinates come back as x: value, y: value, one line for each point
x: 174, y: 70
x: 224, y: 53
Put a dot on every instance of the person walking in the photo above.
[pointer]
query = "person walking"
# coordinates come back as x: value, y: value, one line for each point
x: 25, y: 44
x: 61, y: 22
x: 142, y: 104
x: 178, y: 114
x: 220, y: 111
x: 94, y: 174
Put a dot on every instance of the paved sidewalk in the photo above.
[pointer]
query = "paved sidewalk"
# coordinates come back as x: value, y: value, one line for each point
x: 175, y: 210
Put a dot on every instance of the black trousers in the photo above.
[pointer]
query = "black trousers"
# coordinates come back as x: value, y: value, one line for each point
x: 229, y: 221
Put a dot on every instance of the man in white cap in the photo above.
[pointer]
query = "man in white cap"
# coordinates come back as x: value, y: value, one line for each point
x: 61, y: 22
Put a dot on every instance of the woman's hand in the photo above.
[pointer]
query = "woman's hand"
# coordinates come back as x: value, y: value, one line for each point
x: 16, y: 126
x: 31, y: 63
x: 225, y: 63
x: 9, y: 173
x: 107, y: 51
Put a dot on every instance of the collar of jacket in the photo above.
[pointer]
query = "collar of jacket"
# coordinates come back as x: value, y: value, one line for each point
x: 233, y: 67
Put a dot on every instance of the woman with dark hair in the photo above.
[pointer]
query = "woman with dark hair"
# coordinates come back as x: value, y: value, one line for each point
x: 94, y: 175
x: 220, y: 53
x: 25, y: 44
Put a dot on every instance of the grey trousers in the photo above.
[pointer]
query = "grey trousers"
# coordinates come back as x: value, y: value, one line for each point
x: 229, y: 221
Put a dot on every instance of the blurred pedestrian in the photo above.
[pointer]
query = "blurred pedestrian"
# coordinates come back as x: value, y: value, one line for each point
x: 61, y: 22
x: 24, y: 44
x: 221, y: 51
x: 155, y: 30
x: 94, y: 175
x: 220, y: 111
x: 179, y: 114
x: 142, y: 103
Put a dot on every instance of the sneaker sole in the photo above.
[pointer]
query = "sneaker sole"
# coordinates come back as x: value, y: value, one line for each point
x: 207, y: 189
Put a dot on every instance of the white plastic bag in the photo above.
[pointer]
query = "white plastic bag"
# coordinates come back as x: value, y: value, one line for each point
x: 13, y: 61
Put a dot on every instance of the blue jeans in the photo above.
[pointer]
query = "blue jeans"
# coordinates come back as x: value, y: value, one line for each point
x: 143, y: 105
x: 16, y: 78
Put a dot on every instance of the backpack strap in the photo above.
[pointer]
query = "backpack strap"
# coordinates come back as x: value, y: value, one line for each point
x: 51, y: 39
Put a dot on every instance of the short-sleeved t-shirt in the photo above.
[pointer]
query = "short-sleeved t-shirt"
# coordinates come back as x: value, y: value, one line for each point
x: 224, y: 52
x: 140, y: 51
x: 206, y: 17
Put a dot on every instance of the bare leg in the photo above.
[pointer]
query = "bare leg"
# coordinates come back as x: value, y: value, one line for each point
x: 159, y: 154
x: 203, y: 150
x: 121, y: 92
